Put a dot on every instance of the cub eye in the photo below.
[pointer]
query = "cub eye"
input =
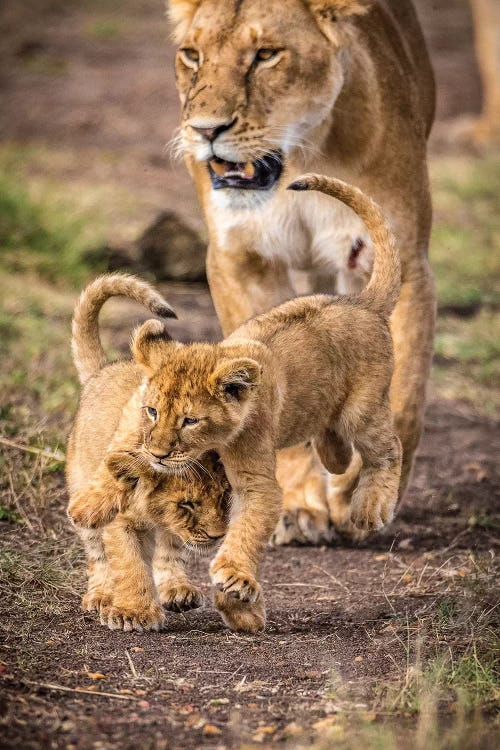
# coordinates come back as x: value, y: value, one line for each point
x: 190, y: 56
x: 189, y: 421
x: 152, y: 413
x: 262, y: 55
x: 188, y: 505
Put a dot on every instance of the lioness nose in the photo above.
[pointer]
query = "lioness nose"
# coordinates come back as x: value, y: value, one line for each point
x: 213, y: 132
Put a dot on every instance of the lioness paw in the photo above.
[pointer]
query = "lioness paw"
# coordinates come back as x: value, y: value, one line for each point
x: 241, y: 616
x: 94, y: 600
x: 233, y: 582
x: 133, y: 618
x: 180, y: 598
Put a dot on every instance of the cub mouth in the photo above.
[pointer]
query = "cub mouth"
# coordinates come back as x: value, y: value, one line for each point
x: 251, y: 175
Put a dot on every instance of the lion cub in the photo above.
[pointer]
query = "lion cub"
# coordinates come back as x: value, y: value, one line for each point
x: 135, y: 565
x: 315, y: 368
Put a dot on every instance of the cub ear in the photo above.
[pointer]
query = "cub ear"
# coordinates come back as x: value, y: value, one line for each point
x: 181, y: 13
x: 233, y: 379
x: 149, y: 344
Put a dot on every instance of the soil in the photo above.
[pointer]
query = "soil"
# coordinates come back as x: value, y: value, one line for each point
x: 333, y: 610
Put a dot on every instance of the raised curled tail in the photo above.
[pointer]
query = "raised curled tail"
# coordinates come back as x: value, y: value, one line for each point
x: 88, y: 354
x: 382, y: 291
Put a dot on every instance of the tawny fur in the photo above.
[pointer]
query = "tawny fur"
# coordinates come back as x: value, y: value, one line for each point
x: 315, y: 368
x: 349, y: 93
x: 147, y: 514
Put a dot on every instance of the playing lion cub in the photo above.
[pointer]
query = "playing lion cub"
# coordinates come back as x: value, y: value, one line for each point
x: 315, y: 368
x: 135, y: 565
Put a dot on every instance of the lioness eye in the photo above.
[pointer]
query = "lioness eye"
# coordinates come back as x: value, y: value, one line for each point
x: 187, y: 505
x: 190, y: 54
x: 189, y: 421
x: 152, y: 413
x: 265, y: 54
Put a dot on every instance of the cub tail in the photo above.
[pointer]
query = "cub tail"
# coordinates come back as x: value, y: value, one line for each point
x: 382, y: 291
x: 88, y: 354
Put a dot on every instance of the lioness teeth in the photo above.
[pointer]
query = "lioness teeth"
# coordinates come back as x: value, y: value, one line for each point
x: 233, y: 169
x: 219, y: 167
x: 249, y: 170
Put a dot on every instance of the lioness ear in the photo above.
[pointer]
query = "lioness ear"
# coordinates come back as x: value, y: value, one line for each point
x: 234, y: 378
x: 327, y: 12
x: 181, y: 13
x: 150, y: 344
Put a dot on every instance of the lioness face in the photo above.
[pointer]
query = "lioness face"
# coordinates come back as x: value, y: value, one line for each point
x: 194, y: 398
x: 255, y: 77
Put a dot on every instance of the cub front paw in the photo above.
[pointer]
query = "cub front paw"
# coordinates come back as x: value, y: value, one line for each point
x: 133, y: 617
x: 234, y: 582
x: 241, y: 616
x: 180, y: 598
x: 91, y: 510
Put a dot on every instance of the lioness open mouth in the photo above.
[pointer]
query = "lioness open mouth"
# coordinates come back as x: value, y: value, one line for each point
x: 250, y: 175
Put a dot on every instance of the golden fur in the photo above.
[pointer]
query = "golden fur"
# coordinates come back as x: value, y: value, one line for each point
x: 315, y: 368
x: 343, y: 87
x: 135, y: 566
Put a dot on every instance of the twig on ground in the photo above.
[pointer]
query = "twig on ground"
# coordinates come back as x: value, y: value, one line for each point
x: 332, y: 577
x: 132, y: 667
x: 80, y: 691
x: 54, y: 455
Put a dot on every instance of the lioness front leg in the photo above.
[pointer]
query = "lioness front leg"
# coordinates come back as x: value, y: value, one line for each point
x: 175, y: 590
x: 129, y: 553
x: 234, y: 570
x: 412, y: 328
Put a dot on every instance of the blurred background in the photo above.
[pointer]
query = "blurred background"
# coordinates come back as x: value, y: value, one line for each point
x: 88, y: 107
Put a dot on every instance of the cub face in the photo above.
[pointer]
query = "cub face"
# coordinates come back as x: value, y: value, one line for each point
x: 195, y: 507
x: 194, y: 398
x: 255, y: 78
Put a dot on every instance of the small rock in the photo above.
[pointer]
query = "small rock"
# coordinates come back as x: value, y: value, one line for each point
x: 210, y: 730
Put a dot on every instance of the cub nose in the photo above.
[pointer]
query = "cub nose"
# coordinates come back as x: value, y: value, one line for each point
x: 158, y: 455
x: 213, y: 132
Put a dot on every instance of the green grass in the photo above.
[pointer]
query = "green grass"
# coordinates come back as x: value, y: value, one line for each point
x: 465, y: 243
x: 39, y: 237
x: 465, y: 256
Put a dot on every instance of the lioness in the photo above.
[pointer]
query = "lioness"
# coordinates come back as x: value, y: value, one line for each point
x: 343, y: 87
x: 135, y: 564
x: 315, y: 368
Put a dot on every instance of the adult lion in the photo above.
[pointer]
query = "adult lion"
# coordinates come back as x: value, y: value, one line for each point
x: 343, y: 87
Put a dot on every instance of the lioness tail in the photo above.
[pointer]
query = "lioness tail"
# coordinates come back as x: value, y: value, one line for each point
x: 382, y: 291
x: 88, y: 354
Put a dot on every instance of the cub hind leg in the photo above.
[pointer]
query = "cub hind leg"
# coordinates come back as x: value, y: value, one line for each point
x: 376, y: 494
x: 98, y: 587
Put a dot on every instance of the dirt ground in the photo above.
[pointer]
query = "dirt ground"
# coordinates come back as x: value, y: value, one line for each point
x: 95, y: 85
